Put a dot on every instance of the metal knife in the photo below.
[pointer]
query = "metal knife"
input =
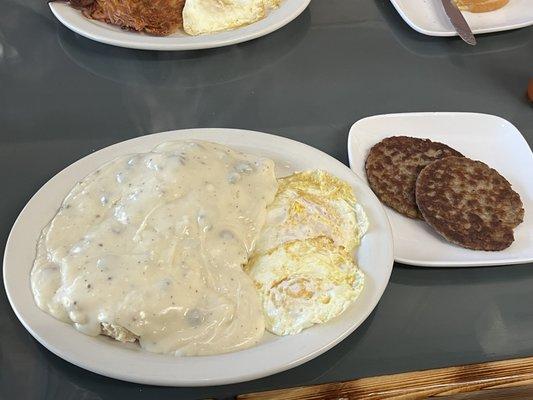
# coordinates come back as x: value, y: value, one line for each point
x: 458, y: 21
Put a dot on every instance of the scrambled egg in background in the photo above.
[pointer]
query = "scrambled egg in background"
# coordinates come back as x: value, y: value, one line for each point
x: 303, y: 265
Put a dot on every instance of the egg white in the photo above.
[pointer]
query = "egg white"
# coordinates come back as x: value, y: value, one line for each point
x: 208, y: 16
x: 303, y: 265
x: 312, y: 204
x: 303, y: 283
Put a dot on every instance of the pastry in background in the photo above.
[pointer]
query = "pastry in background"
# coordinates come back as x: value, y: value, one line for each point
x: 479, y: 6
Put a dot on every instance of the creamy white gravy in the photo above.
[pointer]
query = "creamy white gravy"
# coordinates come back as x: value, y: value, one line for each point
x: 155, y: 243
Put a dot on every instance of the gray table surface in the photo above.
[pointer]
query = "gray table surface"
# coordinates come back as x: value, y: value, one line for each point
x: 63, y: 96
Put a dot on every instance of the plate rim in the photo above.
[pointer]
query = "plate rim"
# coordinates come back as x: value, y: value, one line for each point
x: 166, y: 43
x: 209, y: 381
x: 453, y: 33
x: 427, y: 263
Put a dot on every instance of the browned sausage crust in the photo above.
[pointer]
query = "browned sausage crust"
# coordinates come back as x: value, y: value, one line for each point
x: 469, y: 203
x: 393, y: 164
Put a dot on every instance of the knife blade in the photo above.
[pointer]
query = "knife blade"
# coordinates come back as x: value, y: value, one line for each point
x: 458, y: 21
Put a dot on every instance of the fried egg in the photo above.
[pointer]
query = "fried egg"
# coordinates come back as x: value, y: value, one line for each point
x: 303, y: 264
x: 271, y: 4
x: 311, y: 204
x: 208, y: 16
x: 302, y: 283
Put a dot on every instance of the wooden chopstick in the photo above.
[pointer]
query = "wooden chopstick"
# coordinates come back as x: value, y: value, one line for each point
x: 419, y: 384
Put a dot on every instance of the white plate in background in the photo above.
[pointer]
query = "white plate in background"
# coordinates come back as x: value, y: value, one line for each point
x: 126, y: 361
x: 114, y: 35
x: 483, y: 137
x: 428, y: 17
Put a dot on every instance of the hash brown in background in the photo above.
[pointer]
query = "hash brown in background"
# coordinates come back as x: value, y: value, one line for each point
x: 156, y: 17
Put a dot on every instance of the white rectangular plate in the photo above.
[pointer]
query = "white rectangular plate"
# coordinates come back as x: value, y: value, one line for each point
x: 428, y: 17
x: 487, y: 138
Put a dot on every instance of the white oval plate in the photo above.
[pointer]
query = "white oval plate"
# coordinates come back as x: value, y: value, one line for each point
x: 488, y: 138
x: 110, y: 34
x: 127, y: 362
x: 428, y: 17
